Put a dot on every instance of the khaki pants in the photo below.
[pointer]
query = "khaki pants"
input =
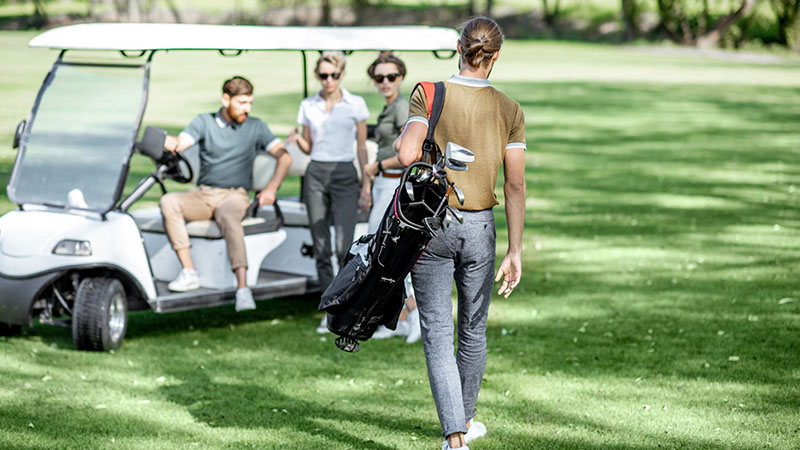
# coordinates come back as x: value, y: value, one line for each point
x: 226, y: 206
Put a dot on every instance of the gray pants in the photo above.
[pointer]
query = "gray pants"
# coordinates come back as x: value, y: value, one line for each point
x: 330, y: 190
x: 464, y: 252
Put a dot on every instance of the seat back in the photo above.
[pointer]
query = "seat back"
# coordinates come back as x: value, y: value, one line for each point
x: 263, y: 168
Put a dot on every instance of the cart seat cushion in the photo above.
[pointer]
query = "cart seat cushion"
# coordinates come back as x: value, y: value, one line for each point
x: 150, y: 220
x: 294, y: 212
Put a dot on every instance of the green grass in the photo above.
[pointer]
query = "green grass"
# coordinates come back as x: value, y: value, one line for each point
x: 661, y: 235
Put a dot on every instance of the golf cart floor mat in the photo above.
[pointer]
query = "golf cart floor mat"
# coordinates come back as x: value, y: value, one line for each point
x: 270, y: 284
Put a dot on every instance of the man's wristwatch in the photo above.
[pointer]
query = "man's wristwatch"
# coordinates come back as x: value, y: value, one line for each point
x: 380, y: 167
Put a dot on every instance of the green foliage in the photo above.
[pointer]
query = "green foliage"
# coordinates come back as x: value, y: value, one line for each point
x: 658, y: 308
x: 786, y: 13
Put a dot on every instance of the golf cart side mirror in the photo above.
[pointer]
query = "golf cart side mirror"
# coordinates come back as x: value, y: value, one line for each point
x: 18, y: 133
x: 152, y: 143
x: 457, y: 157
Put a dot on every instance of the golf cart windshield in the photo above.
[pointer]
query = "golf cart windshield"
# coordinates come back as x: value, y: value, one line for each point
x: 75, y: 150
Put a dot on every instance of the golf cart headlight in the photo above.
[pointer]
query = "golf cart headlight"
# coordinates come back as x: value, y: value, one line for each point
x: 73, y: 248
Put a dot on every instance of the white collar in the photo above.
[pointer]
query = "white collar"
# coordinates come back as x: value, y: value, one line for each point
x: 469, y: 81
x: 347, y: 97
x: 222, y: 122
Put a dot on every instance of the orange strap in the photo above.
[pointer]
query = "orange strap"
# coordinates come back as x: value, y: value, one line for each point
x: 429, y: 89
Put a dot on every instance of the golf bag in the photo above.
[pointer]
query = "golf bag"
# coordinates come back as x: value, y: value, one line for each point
x: 368, y: 291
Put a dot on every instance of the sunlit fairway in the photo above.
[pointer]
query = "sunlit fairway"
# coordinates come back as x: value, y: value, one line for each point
x: 659, y: 308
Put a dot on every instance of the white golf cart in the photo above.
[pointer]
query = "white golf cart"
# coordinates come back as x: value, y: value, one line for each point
x: 73, y: 254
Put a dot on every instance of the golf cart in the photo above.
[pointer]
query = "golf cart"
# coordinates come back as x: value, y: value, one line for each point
x: 75, y: 254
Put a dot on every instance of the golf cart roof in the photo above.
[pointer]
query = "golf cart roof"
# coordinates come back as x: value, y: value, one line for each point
x: 162, y: 36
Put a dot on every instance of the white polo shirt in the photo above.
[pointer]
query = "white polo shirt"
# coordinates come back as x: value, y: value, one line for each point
x: 333, y: 134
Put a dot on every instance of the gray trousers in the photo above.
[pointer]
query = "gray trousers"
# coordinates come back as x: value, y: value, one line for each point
x: 331, y: 192
x: 464, y: 252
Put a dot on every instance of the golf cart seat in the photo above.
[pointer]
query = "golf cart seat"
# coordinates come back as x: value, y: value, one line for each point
x: 265, y: 221
x: 150, y: 220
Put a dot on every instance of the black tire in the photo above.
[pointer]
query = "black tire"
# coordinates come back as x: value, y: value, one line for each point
x: 6, y: 329
x: 100, y: 314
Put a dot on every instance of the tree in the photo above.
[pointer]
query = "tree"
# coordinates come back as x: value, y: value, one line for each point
x: 786, y: 13
x: 551, y: 15
x: 39, y: 19
x: 691, y: 27
x: 325, y: 9
x: 630, y: 16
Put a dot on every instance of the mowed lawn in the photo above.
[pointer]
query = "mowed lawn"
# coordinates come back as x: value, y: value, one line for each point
x: 659, y: 307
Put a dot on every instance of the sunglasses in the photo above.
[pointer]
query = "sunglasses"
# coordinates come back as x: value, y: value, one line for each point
x: 324, y: 76
x: 391, y: 77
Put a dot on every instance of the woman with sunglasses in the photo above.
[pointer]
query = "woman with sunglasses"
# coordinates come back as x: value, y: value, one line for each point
x: 333, y: 121
x: 388, y: 72
x: 490, y: 124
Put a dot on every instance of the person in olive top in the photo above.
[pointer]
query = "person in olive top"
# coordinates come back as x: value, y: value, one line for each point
x: 388, y: 72
x: 228, y: 140
x: 484, y: 120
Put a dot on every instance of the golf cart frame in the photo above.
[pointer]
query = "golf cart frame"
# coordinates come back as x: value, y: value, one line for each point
x: 83, y: 260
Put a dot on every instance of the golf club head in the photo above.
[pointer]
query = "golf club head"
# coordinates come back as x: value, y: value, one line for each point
x: 459, y: 194
x: 458, y: 166
x: 433, y: 224
x: 448, y: 217
x: 457, y: 157
x: 459, y: 217
x: 409, y: 190
x: 347, y: 344
x: 424, y: 176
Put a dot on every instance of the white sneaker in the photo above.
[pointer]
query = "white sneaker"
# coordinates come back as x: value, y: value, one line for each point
x: 383, y: 332
x: 446, y: 446
x: 322, y: 328
x: 414, y: 331
x: 244, y: 299
x: 476, y: 430
x: 185, y: 281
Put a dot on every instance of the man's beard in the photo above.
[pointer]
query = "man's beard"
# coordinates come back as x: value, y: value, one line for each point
x: 237, y: 118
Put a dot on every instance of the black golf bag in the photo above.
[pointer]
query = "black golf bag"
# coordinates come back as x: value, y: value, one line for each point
x: 368, y: 291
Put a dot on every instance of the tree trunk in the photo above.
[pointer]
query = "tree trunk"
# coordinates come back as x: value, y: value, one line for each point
x: 117, y: 8
x: 174, y: 9
x: 489, y: 5
x: 358, y: 9
x: 550, y: 17
x: 711, y: 39
x: 630, y: 16
x: 325, y: 10
x: 703, y: 20
x: 786, y: 14
x: 39, y: 19
x: 134, y: 12
x: 471, y: 8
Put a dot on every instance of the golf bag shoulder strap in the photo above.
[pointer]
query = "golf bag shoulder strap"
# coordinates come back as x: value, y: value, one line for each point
x: 434, y: 98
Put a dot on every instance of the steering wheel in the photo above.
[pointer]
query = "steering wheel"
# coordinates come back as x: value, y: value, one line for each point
x: 178, y: 168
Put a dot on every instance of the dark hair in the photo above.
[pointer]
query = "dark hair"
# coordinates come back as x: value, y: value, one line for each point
x: 481, y: 38
x: 387, y: 57
x: 237, y: 86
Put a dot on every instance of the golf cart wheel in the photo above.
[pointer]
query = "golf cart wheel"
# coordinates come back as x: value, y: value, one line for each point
x: 6, y: 329
x: 100, y: 314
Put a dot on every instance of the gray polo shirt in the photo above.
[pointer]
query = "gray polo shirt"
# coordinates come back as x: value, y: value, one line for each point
x: 227, y: 150
x: 390, y: 122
